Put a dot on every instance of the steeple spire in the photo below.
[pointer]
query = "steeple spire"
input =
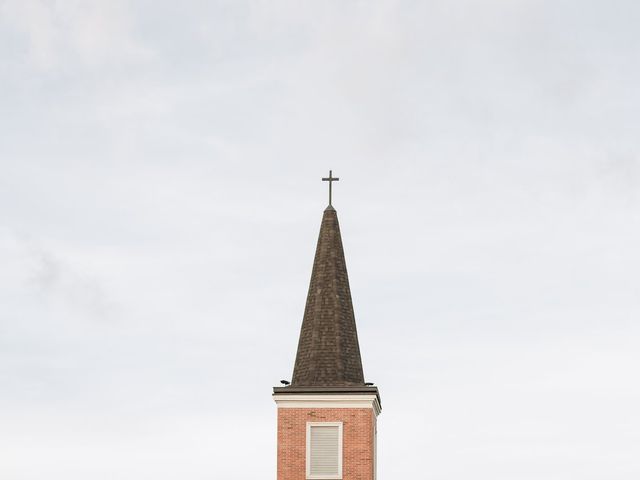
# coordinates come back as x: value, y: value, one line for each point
x: 328, y: 351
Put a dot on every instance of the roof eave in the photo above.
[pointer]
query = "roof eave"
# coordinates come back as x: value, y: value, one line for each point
x: 348, y: 390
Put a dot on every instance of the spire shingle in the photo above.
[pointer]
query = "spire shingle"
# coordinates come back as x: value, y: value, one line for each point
x: 328, y: 351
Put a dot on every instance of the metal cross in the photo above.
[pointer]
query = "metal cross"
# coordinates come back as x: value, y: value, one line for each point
x: 330, y: 179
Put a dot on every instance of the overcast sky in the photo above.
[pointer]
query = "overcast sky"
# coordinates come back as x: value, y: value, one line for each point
x: 160, y: 200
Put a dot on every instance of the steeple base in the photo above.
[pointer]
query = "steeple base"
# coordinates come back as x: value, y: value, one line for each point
x: 353, y: 415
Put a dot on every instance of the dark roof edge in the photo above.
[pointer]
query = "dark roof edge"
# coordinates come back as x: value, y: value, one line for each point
x: 351, y: 390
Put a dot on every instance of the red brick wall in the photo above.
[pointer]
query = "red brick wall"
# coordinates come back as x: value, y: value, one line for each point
x: 357, y: 437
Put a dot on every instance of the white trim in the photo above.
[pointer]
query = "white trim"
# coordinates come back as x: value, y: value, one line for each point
x: 308, y: 451
x: 284, y: 400
x: 375, y: 449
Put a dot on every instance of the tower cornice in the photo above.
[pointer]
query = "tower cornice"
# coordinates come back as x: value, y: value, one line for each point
x: 328, y: 391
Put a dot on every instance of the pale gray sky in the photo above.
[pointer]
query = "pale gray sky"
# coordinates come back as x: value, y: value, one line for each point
x: 160, y: 199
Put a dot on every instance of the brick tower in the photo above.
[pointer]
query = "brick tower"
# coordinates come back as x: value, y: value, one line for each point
x: 327, y: 415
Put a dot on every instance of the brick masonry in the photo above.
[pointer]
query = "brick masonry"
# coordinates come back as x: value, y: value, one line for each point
x: 359, y: 426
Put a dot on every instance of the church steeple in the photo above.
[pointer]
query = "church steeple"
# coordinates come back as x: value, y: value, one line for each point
x: 328, y: 350
x: 328, y: 415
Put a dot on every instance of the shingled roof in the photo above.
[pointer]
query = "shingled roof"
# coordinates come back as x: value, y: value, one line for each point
x: 328, y: 350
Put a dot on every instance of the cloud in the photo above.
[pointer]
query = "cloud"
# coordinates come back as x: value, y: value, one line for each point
x: 90, y: 33
x: 34, y: 272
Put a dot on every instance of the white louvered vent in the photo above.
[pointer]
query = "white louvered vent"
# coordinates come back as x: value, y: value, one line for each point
x: 324, y: 457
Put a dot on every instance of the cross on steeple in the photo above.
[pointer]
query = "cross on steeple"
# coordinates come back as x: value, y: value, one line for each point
x: 330, y: 179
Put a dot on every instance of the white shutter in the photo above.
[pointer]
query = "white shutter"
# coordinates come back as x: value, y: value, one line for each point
x: 324, y: 456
